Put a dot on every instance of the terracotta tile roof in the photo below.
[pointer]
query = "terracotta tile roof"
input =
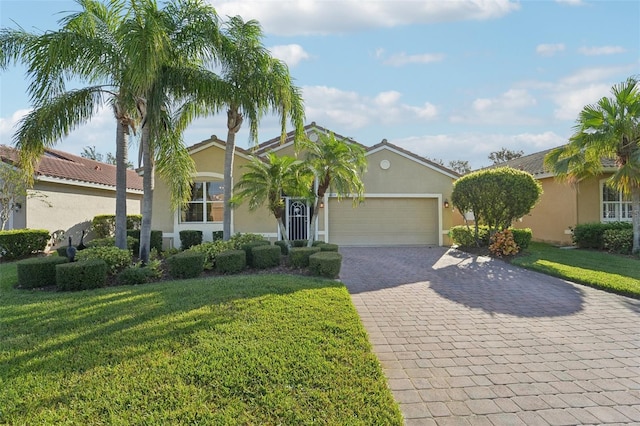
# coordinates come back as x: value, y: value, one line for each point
x: 66, y: 166
x: 215, y: 139
x: 534, y: 163
x: 275, y: 142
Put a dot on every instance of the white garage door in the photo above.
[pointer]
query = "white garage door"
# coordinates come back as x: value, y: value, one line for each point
x: 384, y: 221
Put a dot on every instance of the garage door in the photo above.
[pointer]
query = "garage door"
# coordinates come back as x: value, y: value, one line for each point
x: 384, y: 221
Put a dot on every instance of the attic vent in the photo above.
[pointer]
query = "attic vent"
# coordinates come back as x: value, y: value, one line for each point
x: 97, y: 168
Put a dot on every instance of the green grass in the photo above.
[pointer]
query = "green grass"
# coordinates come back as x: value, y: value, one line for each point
x: 614, y: 273
x: 267, y: 349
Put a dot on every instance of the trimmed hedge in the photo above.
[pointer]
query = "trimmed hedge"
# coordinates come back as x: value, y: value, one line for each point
x: 186, y: 264
x: 325, y: 264
x: 211, y: 250
x: 115, y: 258
x: 299, y: 256
x: 104, y: 225
x: 299, y: 243
x: 317, y: 243
x: 218, y: 236
x: 522, y: 237
x: 265, y: 256
x: 156, y: 240
x: 248, y: 247
x: 618, y: 240
x: 284, y: 250
x: 591, y: 235
x: 134, y: 275
x: 190, y: 238
x: 231, y: 261
x: 465, y: 237
x: 38, y: 271
x: 238, y: 240
x: 108, y: 242
x: 83, y: 275
x: 22, y: 242
x: 328, y: 247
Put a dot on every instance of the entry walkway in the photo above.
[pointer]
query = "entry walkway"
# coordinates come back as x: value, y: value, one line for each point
x: 470, y: 340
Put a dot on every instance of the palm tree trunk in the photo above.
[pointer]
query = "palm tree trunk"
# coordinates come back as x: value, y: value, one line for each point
x: 635, y: 215
x: 283, y: 231
x: 234, y: 121
x: 147, y: 197
x: 312, y: 224
x: 122, y: 142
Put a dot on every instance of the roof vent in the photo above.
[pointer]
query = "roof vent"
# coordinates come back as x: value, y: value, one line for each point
x: 97, y: 168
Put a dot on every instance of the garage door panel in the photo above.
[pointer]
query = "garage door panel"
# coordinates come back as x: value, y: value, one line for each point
x: 384, y: 221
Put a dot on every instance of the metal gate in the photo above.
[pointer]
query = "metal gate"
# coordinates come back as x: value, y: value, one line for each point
x: 297, y: 219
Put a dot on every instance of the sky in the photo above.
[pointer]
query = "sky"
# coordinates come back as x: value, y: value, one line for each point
x: 445, y: 79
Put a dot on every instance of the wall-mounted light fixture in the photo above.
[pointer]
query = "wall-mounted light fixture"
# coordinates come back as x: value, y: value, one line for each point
x: 446, y: 204
x: 321, y: 205
x: 17, y: 207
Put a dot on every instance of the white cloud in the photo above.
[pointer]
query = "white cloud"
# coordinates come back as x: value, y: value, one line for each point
x: 502, y: 110
x: 476, y: 147
x: 571, y: 2
x: 350, y: 110
x: 400, y: 59
x: 549, y: 49
x: 291, y: 54
x: 601, y: 50
x: 8, y: 126
x: 296, y: 17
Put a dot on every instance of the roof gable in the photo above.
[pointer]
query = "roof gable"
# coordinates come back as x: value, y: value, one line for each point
x: 384, y: 144
x: 71, y: 168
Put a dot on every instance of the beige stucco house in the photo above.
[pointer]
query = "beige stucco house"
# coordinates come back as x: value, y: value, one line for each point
x: 564, y: 205
x: 75, y: 190
x: 406, y: 199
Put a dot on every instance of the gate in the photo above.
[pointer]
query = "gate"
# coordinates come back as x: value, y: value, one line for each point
x: 297, y: 220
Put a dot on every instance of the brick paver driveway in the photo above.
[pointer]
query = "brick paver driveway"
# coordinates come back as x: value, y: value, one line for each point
x: 468, y: 340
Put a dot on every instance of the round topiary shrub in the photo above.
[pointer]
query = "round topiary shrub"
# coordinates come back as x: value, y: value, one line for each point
x: 264, y: 257
x: 284, y: 249
x: 133, y: 275
x: 299, y: 256
x: 325, y: 264
x: 186, y: 264
x: 328, y: 247
x: 231, y: 261
x: 248, y: 247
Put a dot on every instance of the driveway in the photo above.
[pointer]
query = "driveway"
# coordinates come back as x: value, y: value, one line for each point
x: 471, y: 340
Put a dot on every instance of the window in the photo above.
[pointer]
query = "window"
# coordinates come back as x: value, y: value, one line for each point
x: 615, y: 205
x: 206, y: 203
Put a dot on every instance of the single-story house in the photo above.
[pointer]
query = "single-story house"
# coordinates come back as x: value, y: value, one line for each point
x: 75, y: 189
x: 564, y: 205
x: 406, y: 199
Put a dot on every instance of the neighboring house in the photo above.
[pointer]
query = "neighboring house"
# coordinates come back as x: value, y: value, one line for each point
x: 405, y: 199
x: 564, y: 205
x: 75, y: 189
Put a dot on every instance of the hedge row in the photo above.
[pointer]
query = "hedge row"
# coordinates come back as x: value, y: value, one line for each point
x: 465, y: 236
x: 591, y: 235
x: 55, y: 270
x: 19, y: 243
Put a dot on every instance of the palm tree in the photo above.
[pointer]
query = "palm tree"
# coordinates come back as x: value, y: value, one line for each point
x: 256, y: 83
x: 267, y: 181
x: 609, y: 128
x: 89, y: 49
x: 338, y: 164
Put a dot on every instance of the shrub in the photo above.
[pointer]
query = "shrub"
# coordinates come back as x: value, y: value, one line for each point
x: 299, y: 256
x: 231, y: 261
x: 110, y: 242
x: 186, y: 264
x: 465, y: 236
x: 134, y: 275
x: 522, y: 237
x: 155, y: 243
x: 211, y: 250
x: 590, y: 235
x: 503, y: 244
x: 190, y: 238
x: 317, y: 243
x: 265, y: 256
x: 238, y: 240
x: 22, y: 242
x: 299, y: 243
x: 284, y: 250
x: 328, y: 247
x: 618, y: 240
x: 115, y: 258
x: 104, y: 225
x: 38, y: 271
x: 249, y: 246
x: 325, y: 264
x: 218, y: 235
x: 83, y: 275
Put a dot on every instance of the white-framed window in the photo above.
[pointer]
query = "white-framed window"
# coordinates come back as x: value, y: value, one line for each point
x: 615, y: 206
x: 206, y: 204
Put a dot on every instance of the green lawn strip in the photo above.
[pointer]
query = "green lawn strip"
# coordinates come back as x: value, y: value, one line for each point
x: 605, y: 271
x: 267, y: 349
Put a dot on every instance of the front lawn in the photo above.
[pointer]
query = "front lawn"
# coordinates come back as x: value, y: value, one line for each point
x: 263, y: 349
x: 614, y: 273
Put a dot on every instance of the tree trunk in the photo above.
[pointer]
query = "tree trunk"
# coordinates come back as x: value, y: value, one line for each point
x: 635, y: 215
x: 147, y: 197
x: 283, y: 231
x: 234, y: 121
x: 322, y: 190
x: 122, y: 144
